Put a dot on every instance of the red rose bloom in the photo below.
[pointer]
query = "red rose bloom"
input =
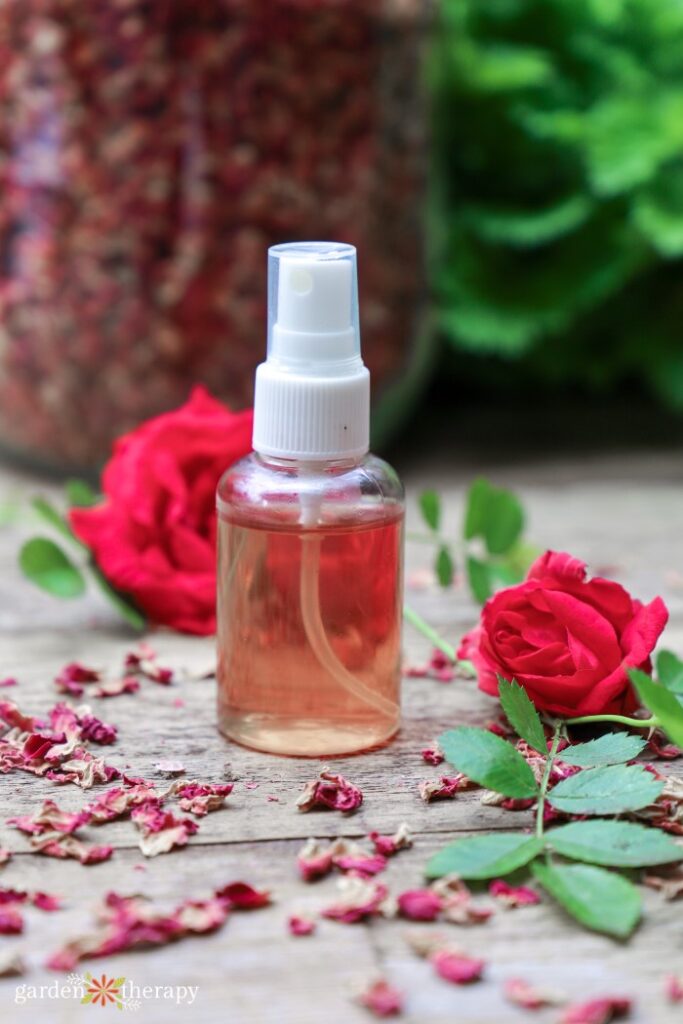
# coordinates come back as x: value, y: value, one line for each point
x: 566, y: 639
x: 154, y: 537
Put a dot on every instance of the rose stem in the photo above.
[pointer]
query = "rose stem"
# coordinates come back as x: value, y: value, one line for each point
x: 545, y: 781
x: 423, y: 627
x: 634, y: 723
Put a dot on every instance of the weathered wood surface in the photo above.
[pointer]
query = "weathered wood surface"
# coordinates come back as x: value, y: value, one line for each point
x: 624, y: 515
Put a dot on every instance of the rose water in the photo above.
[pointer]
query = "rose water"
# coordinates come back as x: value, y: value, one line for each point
x: 310, y: 534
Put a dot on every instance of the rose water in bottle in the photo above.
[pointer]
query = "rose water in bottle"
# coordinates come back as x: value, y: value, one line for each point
x: 310, y: 532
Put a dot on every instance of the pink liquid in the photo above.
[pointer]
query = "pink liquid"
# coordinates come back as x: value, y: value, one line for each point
x: 281, y: 687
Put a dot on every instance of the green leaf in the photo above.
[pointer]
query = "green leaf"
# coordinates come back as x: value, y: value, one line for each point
x: 598, y: 899
x: 493, y: 514
x: 608, y: 790
x: 479, y: 579
x: 80, y: 494
x: 614, y: 843
x: 612, y: 748
x: 489, y: 760
x: 670, y: 671
x: 50, y: 515
x: 484, y: 856
x: 444, y: 566
x: 430, y: 507
x: 532, y: 227
x: 661, y: 703
x: 49, y: 568
x: 521, y: 714
x: 125, y: 609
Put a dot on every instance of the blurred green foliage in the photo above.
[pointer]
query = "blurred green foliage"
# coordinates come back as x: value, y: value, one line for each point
x: 557, y: 189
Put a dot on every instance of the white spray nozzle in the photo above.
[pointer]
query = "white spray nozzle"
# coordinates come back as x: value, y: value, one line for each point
x: 312, y: 393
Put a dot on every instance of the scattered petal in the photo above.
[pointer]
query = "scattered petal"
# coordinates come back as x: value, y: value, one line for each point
x: 419, y: 904
x: 387, y: 846
x: 332, y: 791
x: 444, y: 788
x: 161, y: 830
x: 382, y: 999
x: 457, y: 904
x: 433, y: 754
x: 314, y: 859
x: 300, y: 925
x: 50, y: 818
x: 670, y: 885
x: 241, y: 896
x: 11, y: 965
x: 597, y: 1011
x: 456, y: 967
x: 62, y: 845
x: 143, y: 662
x: 115, y: 687
x: 200, y: 798
x: 10, y: 681
x: 513, y: 896
x: 5, y: 855
x: 72, y: 677
x: 521, y: 993
x: 45, y: 901
x: 359, y: 898
x: 11, y: 920
x: 674, y: 988
x: 170, y: 767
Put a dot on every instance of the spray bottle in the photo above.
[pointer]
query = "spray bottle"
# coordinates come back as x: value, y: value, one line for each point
x: 310, y: 532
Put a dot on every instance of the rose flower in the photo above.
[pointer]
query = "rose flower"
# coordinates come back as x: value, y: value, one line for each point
x: 566, y: 639
x: 154, y: 536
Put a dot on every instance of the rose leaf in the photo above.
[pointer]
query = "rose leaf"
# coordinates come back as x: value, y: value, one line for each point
x: 430, y: 507
x: 670, y: 671
x: 444, y: 566
x: 479, y: 579
x: 80, y: 494
x: 598, y: 899
x: 610, y: 789
x: 612, y: 748
x: 661, y: 703
x: 489, y: 760
x: 49, y: 514
x: 614, y: 844
x: 49, y: 568
x: 494, y: 514
x: 521, y: 714
x: 484, y: 856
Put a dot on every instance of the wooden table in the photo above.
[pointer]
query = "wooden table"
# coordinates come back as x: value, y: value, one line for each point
x: 622, y: 513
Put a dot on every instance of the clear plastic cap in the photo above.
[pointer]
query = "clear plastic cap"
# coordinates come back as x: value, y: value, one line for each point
x: 313, y: 326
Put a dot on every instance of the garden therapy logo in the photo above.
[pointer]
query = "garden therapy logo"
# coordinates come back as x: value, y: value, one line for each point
x: 103, y: 990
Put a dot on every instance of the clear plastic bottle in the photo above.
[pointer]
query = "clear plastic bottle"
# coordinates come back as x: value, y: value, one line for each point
x: 310, y: 534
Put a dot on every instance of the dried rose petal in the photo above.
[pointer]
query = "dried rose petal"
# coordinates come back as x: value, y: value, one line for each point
x: 9, y: 681
x: 45, y: 901
x: 241, y: 896
x: 444, y: 788
x: 12, y: 716
x: 521, y: 993
x: 674, y: 988
x: 11, y: 964
x: 97, y: 731
x: 72, y: 677
x: 457, y: 905
x: 170, y: 767
x: 115, y: 687
x: 349, y: 856
x: 298, y: 925
x: 670, y: 885
x: 11, y: 920
x: 513, y: 896
x: 314, y: 859
x: 83, y: 770
x: 433, y: 754
x: 161, y: 830
x: 456, y: 967
x: 143, y: 662
x: 200, y: 798
x: 387, y: 846
x: 5, y: 855
x: 8, y: 895
x: 597, y: 1011
x: 62, y: 845
x: 359, y: 898
x: 50, y: 818
x: 331, y: 790
x: 657, y: 743
x: 382, y: 999
x: 419, y: 904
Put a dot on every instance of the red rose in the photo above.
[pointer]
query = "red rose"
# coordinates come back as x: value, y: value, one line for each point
x: 566, y: 639
x: 154, y: 538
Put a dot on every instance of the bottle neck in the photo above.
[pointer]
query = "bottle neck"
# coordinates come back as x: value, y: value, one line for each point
x: 308, y: 466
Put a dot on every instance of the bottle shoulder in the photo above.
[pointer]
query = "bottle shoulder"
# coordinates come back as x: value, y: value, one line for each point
x: 287, y: 493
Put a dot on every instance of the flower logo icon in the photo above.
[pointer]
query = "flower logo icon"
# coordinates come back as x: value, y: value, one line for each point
x: 103, y: 990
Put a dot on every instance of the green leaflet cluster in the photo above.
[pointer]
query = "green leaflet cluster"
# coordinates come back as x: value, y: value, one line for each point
x: 49, y: 567
x: 569, y: 861
x: 492, y: 548
x: 557, y: 186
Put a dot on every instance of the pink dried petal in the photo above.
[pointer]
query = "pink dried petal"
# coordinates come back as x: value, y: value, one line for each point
x: 314, y: 860
x: 61, y: 845
x: 12, y: 716
x: 161, y: 830
x: 5, y: 855
x: 348, y: 856
x: 445, y: 788
x: 9, y: 681
x: 659, y: 746
x: 300, y: 925
x: 670, y: 885
x: 513, y: 896
x: 241, y: 896
x: 8, y: 895
x: 387, y: 846
x: 83, y: 769
x: 170, y: 767
x: 97, y: 731
x: 433, y: 755
x: 359, y: 898
x: 144, y: 662
x: 382, y: 999
x: 11, y: 964
x: 50, y: 818
x: 11, y: 921
x: 115, y: 687
x: 200, y: 798
x: 178, y: 702
x: 455, y: 967
x: 72, y: 677
x: 45, y: 901
x: 457, y: 905
x: 674, y: 988
x: 597, y: 1011
x: 331, y: 790
x: 521, y: 993
x: 419, y: 904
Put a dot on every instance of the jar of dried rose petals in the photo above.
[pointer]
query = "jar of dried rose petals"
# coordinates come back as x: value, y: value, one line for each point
x: 149, y: 155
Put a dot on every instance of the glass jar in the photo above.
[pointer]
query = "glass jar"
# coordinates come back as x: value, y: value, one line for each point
x: 149, y: 155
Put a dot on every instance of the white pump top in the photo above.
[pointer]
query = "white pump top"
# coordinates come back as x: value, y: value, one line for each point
x: 312, y: 396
